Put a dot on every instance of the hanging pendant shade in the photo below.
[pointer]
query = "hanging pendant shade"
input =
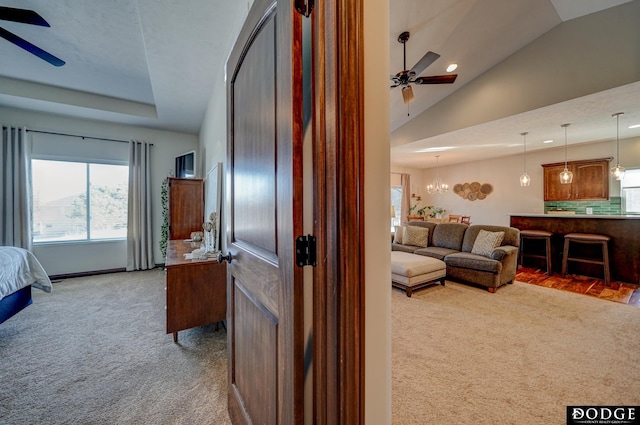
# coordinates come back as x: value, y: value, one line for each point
x: 617, y: 171
x: 566, y: 176
x: 525, y: 180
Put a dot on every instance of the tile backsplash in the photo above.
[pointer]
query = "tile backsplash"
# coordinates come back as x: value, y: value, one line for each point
x: 611, y: 207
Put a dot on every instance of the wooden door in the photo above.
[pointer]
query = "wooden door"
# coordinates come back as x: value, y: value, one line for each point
x: 264, y: 188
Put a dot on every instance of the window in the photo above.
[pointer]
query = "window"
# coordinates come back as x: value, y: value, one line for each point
x: 79, y: 201
x: 631, y: 192
x: 396, y: 202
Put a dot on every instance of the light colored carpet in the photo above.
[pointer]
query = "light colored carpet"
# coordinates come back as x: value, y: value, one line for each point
x: 95, y: 351
x: 464, y: 356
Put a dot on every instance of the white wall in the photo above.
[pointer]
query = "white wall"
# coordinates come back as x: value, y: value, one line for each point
x: 504, y: 174
x: 91, y: 256
x: 376, y: 206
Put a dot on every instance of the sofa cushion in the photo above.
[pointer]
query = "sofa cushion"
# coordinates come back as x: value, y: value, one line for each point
x: 414, y: 235
x: 486, y: 242
x: 435, y: 252
x: 473, y: 261
x: 398, y: 235
x: 403, y: 248
x: 511, y: 235
x: 425, y: 224
x: 449, y: 235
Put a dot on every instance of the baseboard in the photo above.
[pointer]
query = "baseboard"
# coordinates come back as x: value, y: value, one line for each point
x: 84, y: 274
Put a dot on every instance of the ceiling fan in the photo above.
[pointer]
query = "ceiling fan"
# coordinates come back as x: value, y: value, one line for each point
x: 406, y: 77
x: 29, y: 17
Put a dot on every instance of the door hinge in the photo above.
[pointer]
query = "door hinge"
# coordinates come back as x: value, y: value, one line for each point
x: 306, y: 251
x: 304, y: 7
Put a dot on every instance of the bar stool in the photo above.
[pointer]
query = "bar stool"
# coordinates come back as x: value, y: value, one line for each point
x: 537, y: 235
x: 587, y: 238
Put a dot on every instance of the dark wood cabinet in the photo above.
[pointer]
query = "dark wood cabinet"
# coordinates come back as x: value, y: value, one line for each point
x: 590, y: 181
x: 186, y: 207
x: 196, y: 289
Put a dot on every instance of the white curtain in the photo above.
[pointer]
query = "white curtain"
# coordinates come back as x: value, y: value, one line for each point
x: 405, y: 181
x: 139, y: 231
x: 15, y: 188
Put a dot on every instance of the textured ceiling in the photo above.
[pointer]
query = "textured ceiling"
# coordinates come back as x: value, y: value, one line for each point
x: 144, y: 62
x: 478, y: 35
x: 153, y: 62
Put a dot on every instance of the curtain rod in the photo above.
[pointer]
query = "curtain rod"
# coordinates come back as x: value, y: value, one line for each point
x: 82, y: 137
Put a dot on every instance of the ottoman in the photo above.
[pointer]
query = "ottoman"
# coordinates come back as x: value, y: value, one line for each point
x: 412, y: 271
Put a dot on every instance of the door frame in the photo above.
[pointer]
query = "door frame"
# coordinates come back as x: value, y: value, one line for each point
x: 339, y: 297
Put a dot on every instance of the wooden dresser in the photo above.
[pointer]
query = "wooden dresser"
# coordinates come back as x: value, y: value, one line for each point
x: 196, y: 289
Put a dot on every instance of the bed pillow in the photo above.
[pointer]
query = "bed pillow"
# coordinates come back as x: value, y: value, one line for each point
x: 486, y: 242
x: 416, y: 236
x: 398, y: 235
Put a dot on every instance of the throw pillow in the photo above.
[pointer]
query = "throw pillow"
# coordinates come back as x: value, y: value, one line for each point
x: 399, y: 233
x: 486, y: 242
x: 416, y: 236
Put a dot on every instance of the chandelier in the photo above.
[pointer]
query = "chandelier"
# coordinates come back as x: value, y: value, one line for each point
x: 617, y: 171
x: 525, y: 180
x: 566, y: 176
x: 437, y: 186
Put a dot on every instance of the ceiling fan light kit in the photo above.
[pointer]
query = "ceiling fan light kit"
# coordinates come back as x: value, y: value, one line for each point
x: 406, y: 77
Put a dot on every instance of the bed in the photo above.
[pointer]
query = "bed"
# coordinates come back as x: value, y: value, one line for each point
x: 20, y: 270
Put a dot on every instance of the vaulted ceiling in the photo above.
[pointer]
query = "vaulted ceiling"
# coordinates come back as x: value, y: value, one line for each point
x: 153, y: 63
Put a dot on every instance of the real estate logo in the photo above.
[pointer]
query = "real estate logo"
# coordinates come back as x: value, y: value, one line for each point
x: 603, y: 415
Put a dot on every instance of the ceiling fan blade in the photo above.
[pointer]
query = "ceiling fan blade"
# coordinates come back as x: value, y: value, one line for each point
x: 33, y: 49
x: 436, y: 79
x: 423, y: 63
x: 23, y: 16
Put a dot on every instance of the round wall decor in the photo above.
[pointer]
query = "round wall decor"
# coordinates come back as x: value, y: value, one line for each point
x: 473, y: 190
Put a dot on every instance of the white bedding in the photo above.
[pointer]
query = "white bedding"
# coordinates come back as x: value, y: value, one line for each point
x: 20, y: 268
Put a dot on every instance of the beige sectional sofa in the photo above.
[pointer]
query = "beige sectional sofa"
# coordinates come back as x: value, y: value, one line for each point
x: 454, y: 244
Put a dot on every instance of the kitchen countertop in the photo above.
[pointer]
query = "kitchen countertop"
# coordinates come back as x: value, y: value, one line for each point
x: 624, y: 245
x: 628, y: 216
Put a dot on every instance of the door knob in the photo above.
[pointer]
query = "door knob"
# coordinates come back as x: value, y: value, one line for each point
x: 222, y: 258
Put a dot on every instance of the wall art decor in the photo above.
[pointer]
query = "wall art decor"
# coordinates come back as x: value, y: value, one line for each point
x: 472, y: 191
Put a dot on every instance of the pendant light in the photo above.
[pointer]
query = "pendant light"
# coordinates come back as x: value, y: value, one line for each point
x: 437, y: 186
x: 566, y: 176
x: 617, y: 171
x: 525, y: 180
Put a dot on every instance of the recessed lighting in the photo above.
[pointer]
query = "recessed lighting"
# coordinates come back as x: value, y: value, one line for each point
x: 548, y: 141
x: 452, y: 67
x: 634, y: 126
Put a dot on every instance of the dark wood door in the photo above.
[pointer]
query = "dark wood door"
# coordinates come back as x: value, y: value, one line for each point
x: 264, y: 188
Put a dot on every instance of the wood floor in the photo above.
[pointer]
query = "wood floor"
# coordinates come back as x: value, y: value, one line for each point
x: 626, y: 294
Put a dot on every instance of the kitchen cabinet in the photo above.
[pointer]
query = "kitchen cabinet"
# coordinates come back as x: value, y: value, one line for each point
x: 590, y: 181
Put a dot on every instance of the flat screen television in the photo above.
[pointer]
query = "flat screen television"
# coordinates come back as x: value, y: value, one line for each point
x: 186, y: 165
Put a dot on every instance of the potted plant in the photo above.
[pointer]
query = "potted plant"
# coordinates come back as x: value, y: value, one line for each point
x: 436, y: 212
